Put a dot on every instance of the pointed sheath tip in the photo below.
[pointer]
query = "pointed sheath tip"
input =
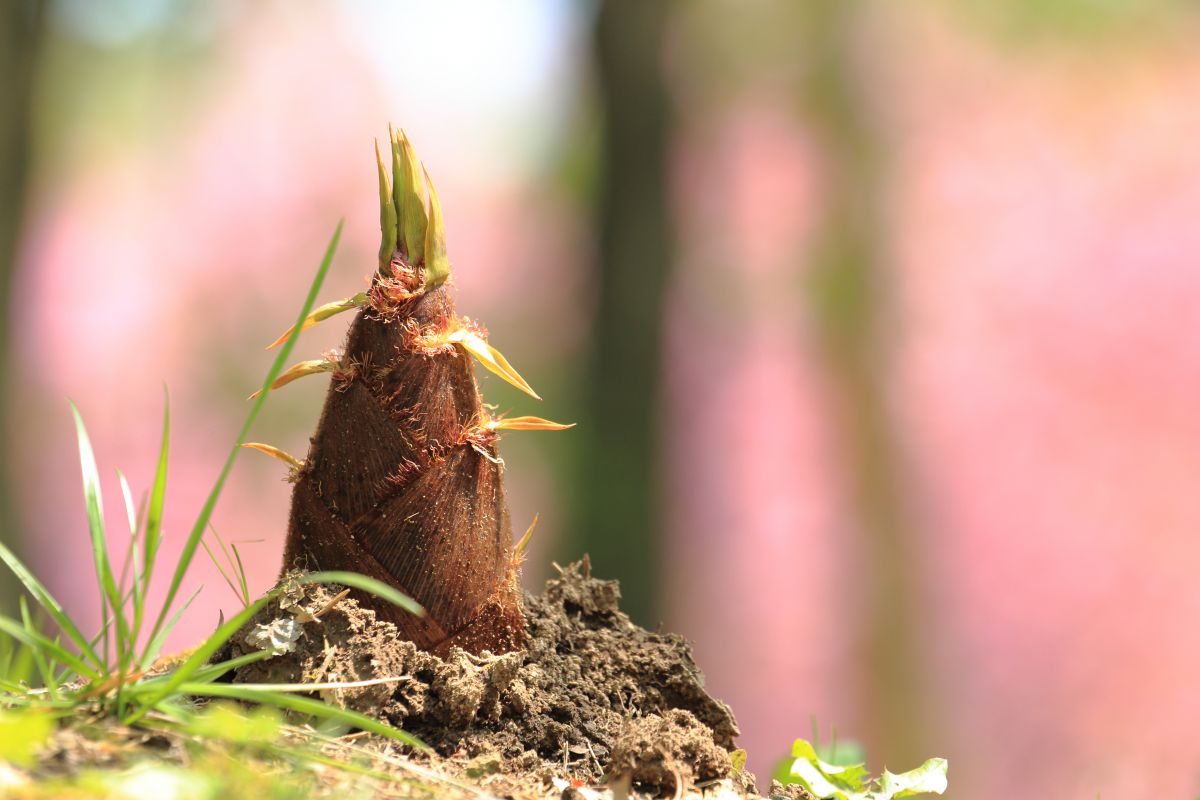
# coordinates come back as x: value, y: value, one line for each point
x: 322, y: 313
x: 491, y: 358
x: 300, y: 370
x: 412, y: 202
x: 519, y: 548
x: 437, y: 262
x: 527, y: 424
x: 276, y: 453
x: 387, y: 211
x: 397, y: 184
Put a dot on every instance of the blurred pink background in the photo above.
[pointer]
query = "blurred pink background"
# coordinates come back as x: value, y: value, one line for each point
x: 1042, y: 374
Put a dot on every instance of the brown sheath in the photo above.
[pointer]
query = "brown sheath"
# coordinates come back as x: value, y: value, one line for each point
x: 402, y: 483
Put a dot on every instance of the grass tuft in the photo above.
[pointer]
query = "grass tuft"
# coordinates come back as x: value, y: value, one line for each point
x: 50, y: 671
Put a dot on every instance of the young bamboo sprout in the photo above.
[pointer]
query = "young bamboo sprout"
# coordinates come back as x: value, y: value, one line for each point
x: 404, y: 482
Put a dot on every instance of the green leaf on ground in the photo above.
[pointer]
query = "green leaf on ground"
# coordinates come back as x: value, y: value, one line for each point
x: 929, y: 778
x: 852, y: 782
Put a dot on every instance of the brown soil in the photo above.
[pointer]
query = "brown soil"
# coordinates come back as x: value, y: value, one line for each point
x: 594, y: 698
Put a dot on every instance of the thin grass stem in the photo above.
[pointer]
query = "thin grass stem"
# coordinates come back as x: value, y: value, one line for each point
x: 193, y: 540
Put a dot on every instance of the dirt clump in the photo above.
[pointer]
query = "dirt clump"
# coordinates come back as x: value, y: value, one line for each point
x: 592, y: 698
x: 668, y: 752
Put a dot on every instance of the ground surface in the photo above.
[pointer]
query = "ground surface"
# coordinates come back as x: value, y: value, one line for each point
x: 593, y: 699
x: 594, y: 707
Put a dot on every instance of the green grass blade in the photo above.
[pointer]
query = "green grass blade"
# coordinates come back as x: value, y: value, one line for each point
x: 156, y: 644
x: 308, y: 688
x: 233, y: 561
x: 43, y: 667
x: 130, y: 508
x: 130, y: 564
x: 209, y: 672
x: 47, y: 601
x: 193, y: 540
x: 221, y: 544
x: 216, y: 563
x: 152, y: 532
x: 241, y: 574
x: 22, y: 668
x: 357, y: 581
x: 135, y: 594
x: 8, y: 649
x: 196, y: 660
x: 305, y: 705
x: 105, y: 632
x: 301, y: 756
x: 213, y: 671
x: 13, y: 687
x: 95, y: 511
x: 158, y: 493
x: 47, y: 647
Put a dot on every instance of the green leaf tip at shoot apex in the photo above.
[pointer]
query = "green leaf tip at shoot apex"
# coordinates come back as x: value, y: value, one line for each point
x: 410, y: 215
x: 437, y: 263
x: 412, y: 203
x: 398, y: 185
x: 387, y: 212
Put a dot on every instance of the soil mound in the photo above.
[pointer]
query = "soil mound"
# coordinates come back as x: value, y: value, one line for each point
x: 593, y: 697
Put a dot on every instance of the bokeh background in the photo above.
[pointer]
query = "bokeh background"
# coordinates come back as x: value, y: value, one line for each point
x: 879, y: 322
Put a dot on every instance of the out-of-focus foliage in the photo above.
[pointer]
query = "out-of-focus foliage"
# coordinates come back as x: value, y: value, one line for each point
x: 618, y: 489
x: 22, y: 732
x: 225, y: 721
x: 1025, y: 22
x: 853, y: 782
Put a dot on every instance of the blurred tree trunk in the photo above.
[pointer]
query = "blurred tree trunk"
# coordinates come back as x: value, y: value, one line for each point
x: 21, y: 28
x: 616, y: 517
x: 851, y: 293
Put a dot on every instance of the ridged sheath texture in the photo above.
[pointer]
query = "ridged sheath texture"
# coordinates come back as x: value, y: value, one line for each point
x: 403, y: 481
